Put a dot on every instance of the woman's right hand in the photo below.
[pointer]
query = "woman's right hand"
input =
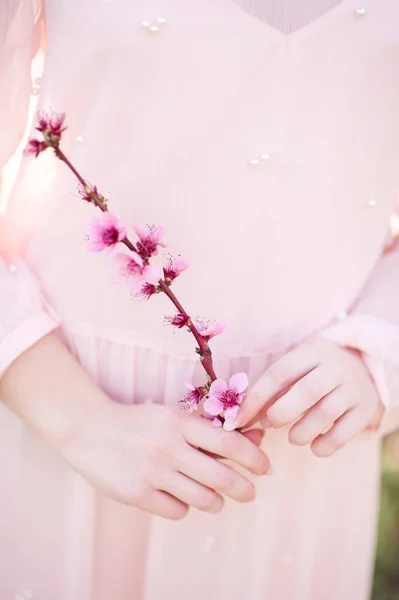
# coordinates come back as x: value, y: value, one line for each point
x: 159, y: 459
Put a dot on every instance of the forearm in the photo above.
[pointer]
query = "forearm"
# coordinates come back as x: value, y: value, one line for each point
x: 48, y: 389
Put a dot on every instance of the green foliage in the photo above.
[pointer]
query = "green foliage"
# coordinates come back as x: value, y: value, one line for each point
x: 386, y: 576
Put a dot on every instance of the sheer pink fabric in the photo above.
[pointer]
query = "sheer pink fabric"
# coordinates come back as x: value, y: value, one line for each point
x: 24, y: 314
x: 287, y: 16
x: 173, y: 125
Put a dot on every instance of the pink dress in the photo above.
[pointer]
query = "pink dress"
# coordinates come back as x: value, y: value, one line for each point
x: 264, y: 136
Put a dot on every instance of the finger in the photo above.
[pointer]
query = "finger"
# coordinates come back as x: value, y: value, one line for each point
x: 253, y: 435
x: 192, y: 493
x: 320, y: 418
x: 353, y: 422
x: 216, y: 475
x: 164, y: 505
x: 227, y: 444
x: 304, y: 394
x: 279, y: 377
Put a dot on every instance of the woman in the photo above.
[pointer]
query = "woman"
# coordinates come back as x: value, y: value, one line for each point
x: 264, y: 137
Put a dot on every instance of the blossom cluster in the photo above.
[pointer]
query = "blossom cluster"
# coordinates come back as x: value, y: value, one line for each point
x: 134, y: 267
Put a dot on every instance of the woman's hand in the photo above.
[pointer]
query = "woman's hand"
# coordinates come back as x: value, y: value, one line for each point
x: 153, y: 457
x: 323, y: 391
x: 162, y: 460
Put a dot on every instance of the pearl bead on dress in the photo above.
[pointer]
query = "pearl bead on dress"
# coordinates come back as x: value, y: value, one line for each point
x: 12, y: 268
x: 360, y: 12
x: 80, y: 138
x: 257, y: 160
x: 153, y: 26
x: 372, y: 203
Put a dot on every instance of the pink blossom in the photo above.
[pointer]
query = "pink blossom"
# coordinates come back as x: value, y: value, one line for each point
x: 215, y: 421
x: 210, y: 329
x: 149, y: 240
x: 147, y: 290
x: 191, y: 400
x: 226, y: 397
x: 105, y: 232
x: 175, y: 266
x: 35, y: 147
x: 179, y: 320
x: 134, y: 272
x: 51, y: 124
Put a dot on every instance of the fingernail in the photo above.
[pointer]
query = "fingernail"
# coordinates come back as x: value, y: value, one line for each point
x: 266, y: 423
x: 229, y: 426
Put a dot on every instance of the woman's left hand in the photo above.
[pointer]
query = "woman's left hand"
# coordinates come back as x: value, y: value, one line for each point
x: 323, y: 391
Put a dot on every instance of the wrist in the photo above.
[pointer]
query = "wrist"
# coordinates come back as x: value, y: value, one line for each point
x: 48, y: 389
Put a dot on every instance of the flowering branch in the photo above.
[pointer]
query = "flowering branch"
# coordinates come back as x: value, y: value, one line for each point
x: 222, y: 399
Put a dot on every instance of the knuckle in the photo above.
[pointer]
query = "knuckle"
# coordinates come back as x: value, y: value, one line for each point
x: 327, y: 412
x: 170, y: 418
x: 278, y: 374
x: 278, y: 416
x: 310, y: 388
x: 158, y: 450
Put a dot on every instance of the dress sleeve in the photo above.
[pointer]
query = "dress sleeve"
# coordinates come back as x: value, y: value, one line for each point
x: 372, y: 327
x: 25, y: 316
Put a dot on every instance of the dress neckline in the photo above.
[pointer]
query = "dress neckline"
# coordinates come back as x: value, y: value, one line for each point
x: 302, y: 34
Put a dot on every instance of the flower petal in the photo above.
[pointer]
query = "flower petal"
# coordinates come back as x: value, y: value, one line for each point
x: 141, y: 232
x: 135, y: 256
x: 152, y: 274
x: 107, y: 219
x: 216, y: 422
x: 135, y: 283
x: 238, y: 382
x: 121, y: 262
x: 180, y: 264
x: 213, y: 406
x: 157, y: 233
x: 218, y: 387
x: 95, y: 245
x: 190, y: 386
x: 213, y: 329
x: 230, y: 415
